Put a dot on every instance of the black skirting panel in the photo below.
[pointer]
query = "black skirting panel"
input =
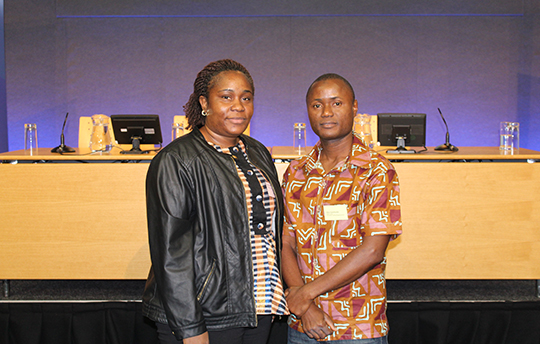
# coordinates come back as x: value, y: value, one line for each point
x: 464, y: 322
x: 410, y: 323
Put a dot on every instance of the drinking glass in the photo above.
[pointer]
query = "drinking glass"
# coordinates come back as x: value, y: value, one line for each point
x: 30, y: 138
x: 299, y: 139
x: 509, y: 137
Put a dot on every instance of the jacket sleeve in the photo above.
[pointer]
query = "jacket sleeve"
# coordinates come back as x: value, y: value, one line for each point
x: 171, y: 234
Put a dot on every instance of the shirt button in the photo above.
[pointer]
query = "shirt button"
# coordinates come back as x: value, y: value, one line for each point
x: 249, y: 172
x: 258, y: 198
x: 260, y: 226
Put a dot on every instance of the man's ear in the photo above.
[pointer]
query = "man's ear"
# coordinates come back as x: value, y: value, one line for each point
x: 355, y: 107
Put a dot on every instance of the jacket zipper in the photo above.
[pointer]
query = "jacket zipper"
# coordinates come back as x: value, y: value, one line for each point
x: 206, y: 281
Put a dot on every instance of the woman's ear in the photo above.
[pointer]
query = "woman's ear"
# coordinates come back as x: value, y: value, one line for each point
x: 204, y: 102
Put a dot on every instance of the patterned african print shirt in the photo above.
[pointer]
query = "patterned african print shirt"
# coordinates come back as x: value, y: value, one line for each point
x: 363, y: 190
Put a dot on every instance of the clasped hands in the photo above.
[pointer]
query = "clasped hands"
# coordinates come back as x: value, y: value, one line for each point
x: 316, y: 323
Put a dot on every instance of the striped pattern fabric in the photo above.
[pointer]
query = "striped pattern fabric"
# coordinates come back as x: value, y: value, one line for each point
x: 268, y: 289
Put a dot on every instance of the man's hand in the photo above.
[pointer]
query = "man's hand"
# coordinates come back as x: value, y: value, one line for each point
x: 316, y: 323
x: 297, y: 300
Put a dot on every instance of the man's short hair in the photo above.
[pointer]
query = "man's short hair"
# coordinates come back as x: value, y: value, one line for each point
x: 331, y: 76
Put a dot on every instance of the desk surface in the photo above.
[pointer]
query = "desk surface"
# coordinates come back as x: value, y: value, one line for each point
x: 464, y: 153
x: 79, y: 154
x: 281, y: 152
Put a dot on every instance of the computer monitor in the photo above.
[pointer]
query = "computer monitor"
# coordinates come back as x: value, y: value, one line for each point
x: 400, y: 130
x: 136, y: 130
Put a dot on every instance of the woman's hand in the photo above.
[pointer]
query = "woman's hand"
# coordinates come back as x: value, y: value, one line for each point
x: 316, y: 323
x: 200, y: 339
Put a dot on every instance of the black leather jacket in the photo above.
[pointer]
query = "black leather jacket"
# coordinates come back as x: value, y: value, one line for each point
x: 198, y: 228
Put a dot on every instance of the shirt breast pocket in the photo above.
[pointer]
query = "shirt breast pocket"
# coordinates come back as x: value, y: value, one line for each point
x: 346, y: 227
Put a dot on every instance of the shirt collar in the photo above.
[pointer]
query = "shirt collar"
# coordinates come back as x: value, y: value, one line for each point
x: 240, y: 145
x: 359, y: 156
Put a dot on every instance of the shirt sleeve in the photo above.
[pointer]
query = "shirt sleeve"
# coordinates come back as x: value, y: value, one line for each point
x: 288, y: 220
x: 382, y: 208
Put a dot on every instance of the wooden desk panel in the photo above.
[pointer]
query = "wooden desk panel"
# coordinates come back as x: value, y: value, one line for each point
x: 73, y: 221
x: 88, y: 221
x: 468, y: 221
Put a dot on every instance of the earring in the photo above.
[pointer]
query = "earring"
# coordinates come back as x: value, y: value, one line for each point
x: 204, y: 113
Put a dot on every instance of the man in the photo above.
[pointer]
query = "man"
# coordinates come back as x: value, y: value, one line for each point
x: 342, y: 209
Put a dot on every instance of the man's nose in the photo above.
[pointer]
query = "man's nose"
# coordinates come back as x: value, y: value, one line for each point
x: 327, y: 111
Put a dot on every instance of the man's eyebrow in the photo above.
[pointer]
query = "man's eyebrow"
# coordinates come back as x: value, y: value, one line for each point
x: 334, y: 97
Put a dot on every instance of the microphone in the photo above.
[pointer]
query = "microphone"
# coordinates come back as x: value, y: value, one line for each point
x: 63, y: 148
x: 447, y: 146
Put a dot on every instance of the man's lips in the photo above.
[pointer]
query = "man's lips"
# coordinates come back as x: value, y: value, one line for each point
x: 327, y: 125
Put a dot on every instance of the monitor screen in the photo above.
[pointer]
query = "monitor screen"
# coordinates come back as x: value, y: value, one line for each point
x: 136, y: 130
x: 401, y: 129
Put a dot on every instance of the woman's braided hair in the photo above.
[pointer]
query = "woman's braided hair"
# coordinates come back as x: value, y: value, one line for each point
x: 203, y: 83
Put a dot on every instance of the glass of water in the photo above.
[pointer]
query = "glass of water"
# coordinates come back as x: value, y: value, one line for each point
x: 509, y: 137
x: 299, y: 139
x: 30, y: 138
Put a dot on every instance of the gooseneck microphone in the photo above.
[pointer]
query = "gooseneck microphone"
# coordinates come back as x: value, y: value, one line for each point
x: 63, y: 148
x: 447, y: 146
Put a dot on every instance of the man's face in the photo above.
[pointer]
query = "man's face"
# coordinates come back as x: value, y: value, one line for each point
x: 331, y: 109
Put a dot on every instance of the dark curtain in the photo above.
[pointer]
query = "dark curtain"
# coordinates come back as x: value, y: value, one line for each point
x: 464, y: 322
x: 75, y: 323
x: 410, y: 323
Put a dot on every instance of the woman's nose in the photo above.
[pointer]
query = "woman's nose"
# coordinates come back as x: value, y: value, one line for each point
x: 237, y: 105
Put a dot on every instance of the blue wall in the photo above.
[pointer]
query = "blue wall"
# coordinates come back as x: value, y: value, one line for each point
x: 3, y: 108
x: 478, y: 61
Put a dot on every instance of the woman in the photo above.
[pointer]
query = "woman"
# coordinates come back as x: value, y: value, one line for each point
x: 215, y: 212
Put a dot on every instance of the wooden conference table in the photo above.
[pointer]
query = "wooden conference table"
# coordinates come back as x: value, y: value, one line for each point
x: 474, y: 214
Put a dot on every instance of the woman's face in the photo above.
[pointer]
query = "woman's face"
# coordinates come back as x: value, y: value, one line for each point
x: 229, y: 106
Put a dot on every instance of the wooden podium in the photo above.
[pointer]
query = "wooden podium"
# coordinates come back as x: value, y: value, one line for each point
x: 474, y: 214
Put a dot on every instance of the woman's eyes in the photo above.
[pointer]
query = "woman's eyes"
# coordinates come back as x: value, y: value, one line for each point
x: 227, y: 97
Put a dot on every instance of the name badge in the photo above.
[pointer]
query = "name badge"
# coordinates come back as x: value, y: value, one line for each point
x: 335, y: 212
